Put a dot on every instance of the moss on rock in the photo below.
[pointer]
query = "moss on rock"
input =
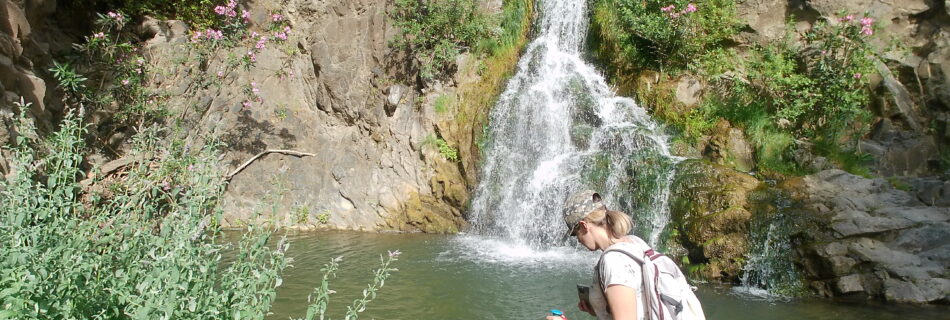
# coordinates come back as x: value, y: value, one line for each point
x: 711, y: 211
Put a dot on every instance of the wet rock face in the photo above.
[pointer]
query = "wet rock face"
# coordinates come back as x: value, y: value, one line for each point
x: 712, y: 212
x: 865, y: 237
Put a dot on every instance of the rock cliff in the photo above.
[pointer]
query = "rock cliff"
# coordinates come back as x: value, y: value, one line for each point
x: 334, y: 89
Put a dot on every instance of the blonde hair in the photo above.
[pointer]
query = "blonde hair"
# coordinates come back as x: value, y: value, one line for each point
x: 617, y: 223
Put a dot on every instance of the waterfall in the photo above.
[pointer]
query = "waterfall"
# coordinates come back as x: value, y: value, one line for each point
x: 558, y: 128
x: 769, y: 272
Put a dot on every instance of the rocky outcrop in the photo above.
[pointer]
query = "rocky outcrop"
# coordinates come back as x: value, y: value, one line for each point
x: 711, y: 210
x: 727, y: 146
x: 26, y: 42
x: 330, y: 90
x: 864, y: 237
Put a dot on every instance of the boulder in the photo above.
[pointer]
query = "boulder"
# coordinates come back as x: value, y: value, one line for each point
x: 901, y: 153
x: 863, y: 236
x: 689, y: 91
x: 765, y: 18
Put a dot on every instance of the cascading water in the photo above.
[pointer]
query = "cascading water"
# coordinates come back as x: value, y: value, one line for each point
x: 769, y: 272
x: 558, y: 128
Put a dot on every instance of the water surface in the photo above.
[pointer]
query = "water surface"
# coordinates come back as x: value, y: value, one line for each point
x: 468, y: 277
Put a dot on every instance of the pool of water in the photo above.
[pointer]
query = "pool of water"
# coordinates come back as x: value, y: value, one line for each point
x: 468, y: 277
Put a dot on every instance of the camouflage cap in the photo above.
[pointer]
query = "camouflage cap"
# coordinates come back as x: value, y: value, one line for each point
x: 577, y: 207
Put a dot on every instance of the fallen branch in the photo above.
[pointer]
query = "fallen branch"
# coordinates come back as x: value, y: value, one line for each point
x: 259, y: 155
x: 111, y: 167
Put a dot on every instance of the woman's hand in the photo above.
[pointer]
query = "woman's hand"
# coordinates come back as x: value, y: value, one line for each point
x: 583, y: 307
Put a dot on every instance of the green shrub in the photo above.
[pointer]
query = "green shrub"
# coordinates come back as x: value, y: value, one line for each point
x: 662, y: 34
x: 434, y: 32
x: 817, y: 91
x: 197, y: 13
x: 447, y: 151
x: 146, y: 246
x: 820, y: 90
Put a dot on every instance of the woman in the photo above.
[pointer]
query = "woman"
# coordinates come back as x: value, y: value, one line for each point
x: 618, y: 294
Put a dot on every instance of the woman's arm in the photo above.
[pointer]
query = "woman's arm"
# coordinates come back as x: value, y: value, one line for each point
x: 623, y: 302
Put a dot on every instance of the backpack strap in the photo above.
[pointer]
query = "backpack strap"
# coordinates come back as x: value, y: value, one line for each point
x: 649, y: 253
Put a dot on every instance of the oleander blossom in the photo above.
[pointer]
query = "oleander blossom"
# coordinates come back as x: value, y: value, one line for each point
x: 668, y: 9
x: 866, y: 24
x: 847, y: 18
x: 277, y: 17
x: 228, y: 10
x: 690, y: 8
x: 857, y: 75
x: 115, y: 16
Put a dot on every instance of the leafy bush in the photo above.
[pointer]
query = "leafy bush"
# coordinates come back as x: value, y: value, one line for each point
x: 821, y: 90
x: 196, y: 13
x: 662, y: 34
x: 447, y: 151
x: 109, y: 71
x: 146, y: 245
x: 817, y: 91
x: 436, y: 31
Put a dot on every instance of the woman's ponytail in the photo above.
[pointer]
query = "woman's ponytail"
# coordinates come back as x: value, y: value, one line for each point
x: 617, y: 223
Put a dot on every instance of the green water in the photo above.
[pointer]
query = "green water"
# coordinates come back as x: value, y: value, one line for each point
x: 466, y: 277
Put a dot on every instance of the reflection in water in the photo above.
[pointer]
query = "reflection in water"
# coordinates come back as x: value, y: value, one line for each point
x: 468, y: 277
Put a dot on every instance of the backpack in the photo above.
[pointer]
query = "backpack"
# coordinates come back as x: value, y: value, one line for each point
x: 668, y: 295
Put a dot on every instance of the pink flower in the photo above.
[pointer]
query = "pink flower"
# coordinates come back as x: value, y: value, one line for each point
x: 847, y: 18
x: 115, y: 16
x: 140, y: 61
x: 125, y: 82
x: 165, y: 185
x: 99, y: 35
x: 857, y: 75
x: 220, y: 73
x: 246, y: 15
x: 277, y: 17
x: 668, y: 8
x: 867, y: 31
x: 674, y: 15
x: 281, y: 35
x: 690, y: 8
x: 824, y: 52
x: 867, y: 21
x: 246, y: 104
x: 191, y: 167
